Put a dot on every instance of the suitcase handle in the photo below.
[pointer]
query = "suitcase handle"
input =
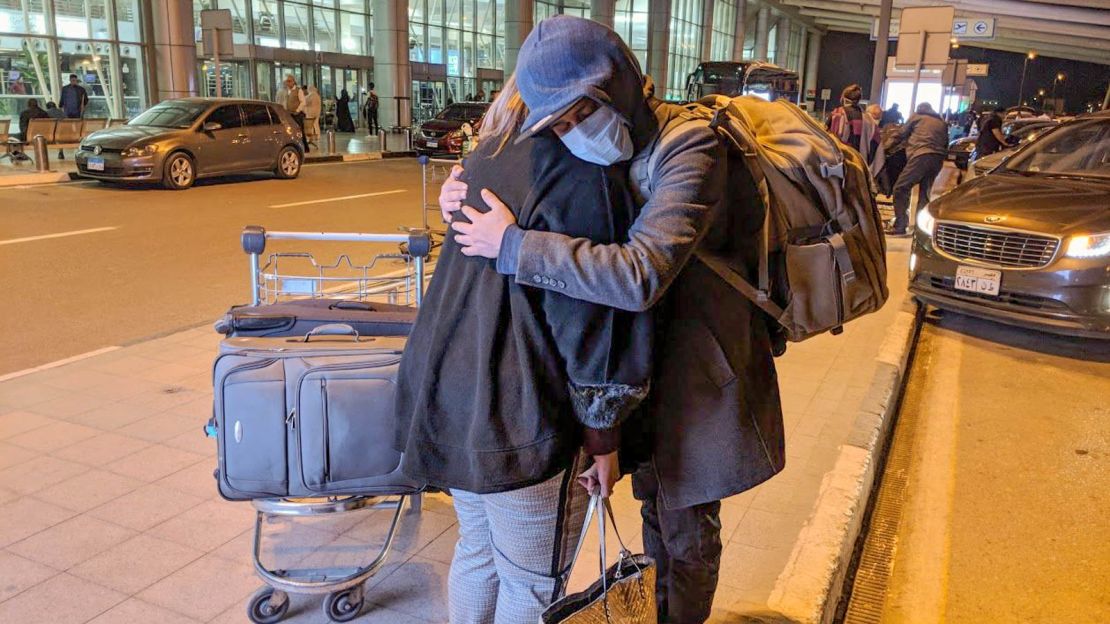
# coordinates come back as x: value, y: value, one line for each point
x: 333, y: 329
x: 351, y: 305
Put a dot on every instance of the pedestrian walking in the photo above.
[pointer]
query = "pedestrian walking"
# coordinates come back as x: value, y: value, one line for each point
x: 713, y: 426
x: 293, y: 100
x: 312, y: 110
x: 74, y: 98
x: 343, y: 121
x: 926, y: 140
x: 501, y: 407
x: 371, y: 111
x: 850, y: 124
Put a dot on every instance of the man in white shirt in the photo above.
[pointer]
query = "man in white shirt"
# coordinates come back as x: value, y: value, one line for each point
x: 293, y: 101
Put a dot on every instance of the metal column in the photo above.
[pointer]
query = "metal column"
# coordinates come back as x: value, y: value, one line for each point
x: 175, y: 51
x: 659, y: 43
x: 762, y: 30
x: 741, y: 30
x: 878, y: 67
x: 392, y: 72
x: 707, y: 31
x: 518, y: 23
x: 603, y: 11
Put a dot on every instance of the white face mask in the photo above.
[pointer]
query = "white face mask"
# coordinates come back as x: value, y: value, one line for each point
x: 602, y: 138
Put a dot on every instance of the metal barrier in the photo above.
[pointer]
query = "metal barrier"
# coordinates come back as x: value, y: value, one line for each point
x: 331, y: 141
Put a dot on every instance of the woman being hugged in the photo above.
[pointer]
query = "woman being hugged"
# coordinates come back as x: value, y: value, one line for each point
x: 505, y: 392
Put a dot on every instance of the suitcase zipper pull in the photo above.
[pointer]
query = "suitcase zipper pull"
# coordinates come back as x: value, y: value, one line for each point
x: 291, y: 419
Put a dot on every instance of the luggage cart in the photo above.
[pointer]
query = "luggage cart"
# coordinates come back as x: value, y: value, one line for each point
x: 434, y: 172
x: 392, y: 277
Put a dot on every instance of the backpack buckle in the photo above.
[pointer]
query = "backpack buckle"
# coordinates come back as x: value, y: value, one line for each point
x: 828, y: 171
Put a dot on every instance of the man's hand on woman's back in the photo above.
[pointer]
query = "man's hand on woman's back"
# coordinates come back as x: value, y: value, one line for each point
x: 452, y: 193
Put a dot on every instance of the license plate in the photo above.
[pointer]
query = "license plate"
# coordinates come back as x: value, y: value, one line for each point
x: 95, y: 163
x: 433, y: 143
x: 983, y: 281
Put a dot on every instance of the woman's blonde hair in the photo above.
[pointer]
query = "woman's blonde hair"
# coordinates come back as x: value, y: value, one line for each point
x: 505, y: 115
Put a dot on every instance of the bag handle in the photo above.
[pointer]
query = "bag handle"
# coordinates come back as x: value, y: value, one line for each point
x: 625, y: 554
x: 333, y: 329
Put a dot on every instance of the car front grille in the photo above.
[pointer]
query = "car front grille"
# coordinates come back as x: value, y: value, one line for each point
x: 996, y: 247
x: 1022, y: 300
x: 104, y: 150
x: 434, y: 134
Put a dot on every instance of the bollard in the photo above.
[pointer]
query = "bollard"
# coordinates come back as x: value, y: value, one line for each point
x: 331, y: 141
x: 42, y: 157
x: 381, y: 139
x: 408, y: 139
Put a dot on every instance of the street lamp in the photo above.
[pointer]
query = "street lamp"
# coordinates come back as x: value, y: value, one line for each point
x: 1028, y: 57
x: 1059, y: 78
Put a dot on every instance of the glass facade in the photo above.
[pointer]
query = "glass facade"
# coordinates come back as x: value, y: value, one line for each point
x: 631, y: 23
x: 42, y: 42
x: 546, y: 8
x: 685, y: 47
x: 466, y: 38
x: 724, y: 30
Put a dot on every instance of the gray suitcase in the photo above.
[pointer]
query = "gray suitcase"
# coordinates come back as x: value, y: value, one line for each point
x: 308, y: 416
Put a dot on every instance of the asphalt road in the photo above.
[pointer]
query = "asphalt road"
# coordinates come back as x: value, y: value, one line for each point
x: 169, y: 260
x: 1009, y: 487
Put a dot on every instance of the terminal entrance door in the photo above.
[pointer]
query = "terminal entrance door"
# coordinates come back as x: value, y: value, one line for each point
x: 428, y: 98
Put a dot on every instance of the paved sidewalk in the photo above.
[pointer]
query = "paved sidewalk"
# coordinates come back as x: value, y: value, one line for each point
x: 109, y: 514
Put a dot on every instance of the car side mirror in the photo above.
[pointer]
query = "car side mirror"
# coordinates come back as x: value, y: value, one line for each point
x: 211, y: 126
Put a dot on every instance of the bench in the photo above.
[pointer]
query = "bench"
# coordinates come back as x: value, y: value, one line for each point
x: 64, y: 133
x: 10, y: 143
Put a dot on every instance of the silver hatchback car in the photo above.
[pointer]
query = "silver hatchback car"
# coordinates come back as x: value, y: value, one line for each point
x: 177, y: 142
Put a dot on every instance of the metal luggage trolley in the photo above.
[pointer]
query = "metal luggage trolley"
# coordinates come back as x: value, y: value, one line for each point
x: 434, y: 172
x: 299, y: 275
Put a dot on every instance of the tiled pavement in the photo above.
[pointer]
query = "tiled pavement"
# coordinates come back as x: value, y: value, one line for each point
x: 109, y: 514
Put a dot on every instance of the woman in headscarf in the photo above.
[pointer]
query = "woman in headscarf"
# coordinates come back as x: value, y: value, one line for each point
x: 343, y: 121
x: 506, y: 391
x: 850, y: 124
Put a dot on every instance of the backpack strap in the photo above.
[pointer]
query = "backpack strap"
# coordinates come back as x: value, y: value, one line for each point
x: 759, y: 297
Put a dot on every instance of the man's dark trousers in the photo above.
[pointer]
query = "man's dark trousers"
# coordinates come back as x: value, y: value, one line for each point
x: 299, y: 118
x: 921, y: 170
x: 686, y: 546
x: 372, y: 120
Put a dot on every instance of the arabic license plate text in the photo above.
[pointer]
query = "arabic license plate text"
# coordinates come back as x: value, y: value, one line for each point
x: 95, y: 163
x: 433, y: 143
x: 976, y: 280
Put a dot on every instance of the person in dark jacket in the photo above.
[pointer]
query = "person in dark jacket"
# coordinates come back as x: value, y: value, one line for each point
x: 33, y: 111
x: 502, y: 386
x: 715, y: 414
x: 926, y: 141
x: 890, y: 116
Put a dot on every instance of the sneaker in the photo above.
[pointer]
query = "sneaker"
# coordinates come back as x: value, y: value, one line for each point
x: 893, y: 233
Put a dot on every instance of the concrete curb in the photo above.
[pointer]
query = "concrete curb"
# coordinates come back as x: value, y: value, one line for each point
x: 34, y: 177
x: 810, y: 586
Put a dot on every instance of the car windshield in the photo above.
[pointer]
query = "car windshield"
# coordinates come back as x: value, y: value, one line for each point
x: 461, y: 112
x: 170, y: 115
x: 1079, y: 150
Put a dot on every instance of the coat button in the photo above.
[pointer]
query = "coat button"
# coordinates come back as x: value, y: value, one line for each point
x: 547, y: 281
x: 537, y: 279
x: 562, y: 284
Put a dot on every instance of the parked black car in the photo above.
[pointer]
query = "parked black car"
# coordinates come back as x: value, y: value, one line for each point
x: 443, y: 134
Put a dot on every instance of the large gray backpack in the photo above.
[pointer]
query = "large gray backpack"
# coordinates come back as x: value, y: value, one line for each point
x: 821, y: 258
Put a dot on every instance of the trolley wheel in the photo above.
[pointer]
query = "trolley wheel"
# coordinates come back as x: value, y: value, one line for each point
x: 261, y: 609
x: 340, y: 606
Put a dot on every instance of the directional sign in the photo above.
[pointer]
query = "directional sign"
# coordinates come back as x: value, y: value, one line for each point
x: 973, y: 28
x: 977, y: 69
x: 959, y: 27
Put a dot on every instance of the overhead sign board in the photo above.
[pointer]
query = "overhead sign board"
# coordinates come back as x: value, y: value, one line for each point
x: 216, y: 37
x: 924, y: 40
x: 962, y: 28
x: 977, y: 69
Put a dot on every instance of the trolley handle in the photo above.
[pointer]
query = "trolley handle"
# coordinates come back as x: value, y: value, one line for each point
x: 254, y: 239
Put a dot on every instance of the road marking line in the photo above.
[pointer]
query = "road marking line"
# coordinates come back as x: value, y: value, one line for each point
x: 27, y: 239
x: 57, y: 363
x: 333, y: 199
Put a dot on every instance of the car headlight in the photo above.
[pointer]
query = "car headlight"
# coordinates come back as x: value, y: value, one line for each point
x: 145, y: 150
x: 1090, y: 246
x: 926, y: 224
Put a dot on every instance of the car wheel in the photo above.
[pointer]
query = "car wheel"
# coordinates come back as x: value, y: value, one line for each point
x: 288, y: 163
x: 179, y: 172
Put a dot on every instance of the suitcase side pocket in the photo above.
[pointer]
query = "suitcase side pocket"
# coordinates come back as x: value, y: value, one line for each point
x: 346, y: 425
x: 253, y: 429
